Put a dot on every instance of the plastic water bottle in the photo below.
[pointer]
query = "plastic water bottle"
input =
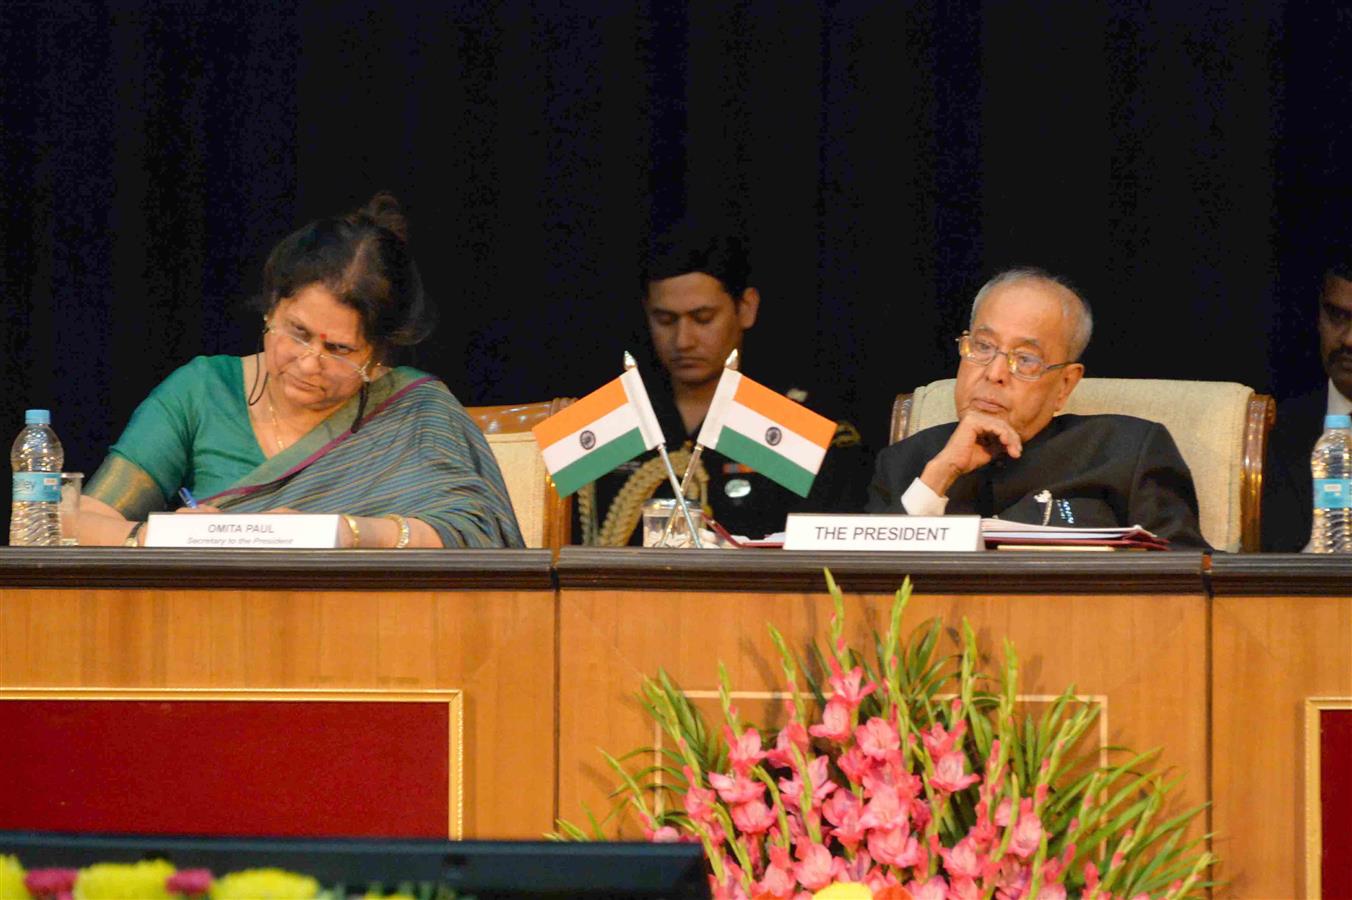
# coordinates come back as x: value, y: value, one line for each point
x: 37, y: 458
x: 1331, y: 465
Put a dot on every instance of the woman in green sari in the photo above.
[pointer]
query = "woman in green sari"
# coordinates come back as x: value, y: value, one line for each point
x: 318, y: 421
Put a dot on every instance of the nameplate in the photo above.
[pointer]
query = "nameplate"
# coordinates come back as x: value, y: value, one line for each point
x: 813, y: 531
x: 251, y: 531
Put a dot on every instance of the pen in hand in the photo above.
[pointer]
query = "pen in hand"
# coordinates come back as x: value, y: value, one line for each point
x: 187, y: 496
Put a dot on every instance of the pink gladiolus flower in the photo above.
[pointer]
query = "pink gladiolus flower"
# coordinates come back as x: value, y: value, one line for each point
x: 855, y: 765
x: 934, y: 889
x: 847, y: 829
x: 736, y: 790
x: 894, y: 847
x: 835, y: 724
x: 940, y: 742
x: 51, y: 882
x: 963, y: 888
x: 731, y: 888
x: 778, y: 880
x: 1011, y: 879
x: 820, y: 772
x: 814, y: 868
x: 962, y: 861
x: 841, y: 805
x: 878, y: 738
x: 1052, y: 892
x: 920, y: 814
x: 892, y: 774
x: 699, y: 801
x: 790, y: 736
x: 847, y: 687
x: 745, y: 751
x: 982, y: 835
x: 664, y: 835
x: 884, y: 810
x: 1091, y: 876
x: 753, y: 817
x: 1027, y: 833
x: 949, y: 774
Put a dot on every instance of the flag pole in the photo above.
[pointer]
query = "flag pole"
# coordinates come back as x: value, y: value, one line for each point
x: 630, y: 363
x: 732, y: 362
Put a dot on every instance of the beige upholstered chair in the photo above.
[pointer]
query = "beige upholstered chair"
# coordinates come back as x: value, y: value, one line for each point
x: 1220, y: 427
x: 545, y: 517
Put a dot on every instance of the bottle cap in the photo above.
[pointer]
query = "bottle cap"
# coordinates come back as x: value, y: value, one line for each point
x: 44, y: 417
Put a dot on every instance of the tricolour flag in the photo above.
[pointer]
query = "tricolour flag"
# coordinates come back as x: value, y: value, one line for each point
x: 609, y: 426
x: 782, y: 440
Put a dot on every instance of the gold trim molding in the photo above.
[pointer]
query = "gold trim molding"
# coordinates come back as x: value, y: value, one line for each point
x: 1314, y: 818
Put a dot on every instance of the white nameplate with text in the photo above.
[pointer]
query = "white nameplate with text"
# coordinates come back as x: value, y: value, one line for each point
x: 821, y: 531
x: 252, y: 531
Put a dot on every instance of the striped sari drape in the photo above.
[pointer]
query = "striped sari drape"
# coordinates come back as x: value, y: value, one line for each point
x: 417, y: 453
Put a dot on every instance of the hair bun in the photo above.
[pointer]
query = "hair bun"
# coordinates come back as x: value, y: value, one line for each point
x: 384, y: 210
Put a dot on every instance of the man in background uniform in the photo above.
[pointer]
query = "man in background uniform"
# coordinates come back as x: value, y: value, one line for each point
x: 699, y: 304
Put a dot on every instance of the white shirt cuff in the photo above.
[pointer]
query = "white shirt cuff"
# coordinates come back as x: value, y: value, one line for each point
x: 919, y: 500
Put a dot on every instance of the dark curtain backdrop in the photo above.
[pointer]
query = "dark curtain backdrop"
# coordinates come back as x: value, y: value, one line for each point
x: 1185, y: 163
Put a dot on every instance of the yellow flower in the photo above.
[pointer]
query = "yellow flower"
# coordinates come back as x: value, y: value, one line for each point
x: 844, y: 891
x: 265, y: 884
x: 11, y: 879
x: 124, y: 881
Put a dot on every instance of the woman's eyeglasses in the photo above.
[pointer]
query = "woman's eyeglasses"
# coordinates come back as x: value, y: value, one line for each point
x: 307, y: 347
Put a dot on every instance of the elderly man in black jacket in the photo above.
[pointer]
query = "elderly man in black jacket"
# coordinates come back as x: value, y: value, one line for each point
x: 1009, y: 455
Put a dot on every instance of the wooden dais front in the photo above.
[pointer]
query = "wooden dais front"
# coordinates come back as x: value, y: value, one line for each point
x: 471, y: 631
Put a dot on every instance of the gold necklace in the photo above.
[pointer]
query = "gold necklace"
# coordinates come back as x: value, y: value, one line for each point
x: 276, y: 428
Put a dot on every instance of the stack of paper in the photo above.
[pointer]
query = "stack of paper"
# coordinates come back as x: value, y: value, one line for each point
x: 1005, y: 533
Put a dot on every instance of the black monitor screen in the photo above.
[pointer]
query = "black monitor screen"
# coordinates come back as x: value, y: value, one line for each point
x: 485, y: 870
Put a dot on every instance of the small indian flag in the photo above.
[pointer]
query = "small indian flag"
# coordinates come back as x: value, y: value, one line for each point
x: 609, y: 426
x: 782, y: 440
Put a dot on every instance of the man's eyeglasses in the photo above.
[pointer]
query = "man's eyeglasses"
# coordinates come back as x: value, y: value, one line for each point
x: 1024, y: 365
x: 344, y: 367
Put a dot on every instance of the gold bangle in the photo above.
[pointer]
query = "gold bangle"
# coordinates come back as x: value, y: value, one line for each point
x: 131, y: 540
x: 351, y: 522
x: 403, y: 530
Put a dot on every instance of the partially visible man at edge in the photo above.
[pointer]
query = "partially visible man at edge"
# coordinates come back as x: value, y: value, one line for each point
x: 1009, y: 455
x: 1288, y: 486
x: 699, y: 303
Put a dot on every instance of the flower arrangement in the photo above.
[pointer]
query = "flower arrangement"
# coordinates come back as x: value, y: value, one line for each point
x: 159, y: 880
x: 909, y: 779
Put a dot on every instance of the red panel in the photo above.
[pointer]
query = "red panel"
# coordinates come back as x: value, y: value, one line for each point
x: 214, y: 767
x: 1335, y: 794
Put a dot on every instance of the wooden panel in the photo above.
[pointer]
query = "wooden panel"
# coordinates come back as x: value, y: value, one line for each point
x: 1270, y: 654
x: 495, y: 646
x: 1145, y: 654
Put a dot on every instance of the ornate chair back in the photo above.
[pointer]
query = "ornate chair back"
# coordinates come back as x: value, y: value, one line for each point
x: 545, y: 517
